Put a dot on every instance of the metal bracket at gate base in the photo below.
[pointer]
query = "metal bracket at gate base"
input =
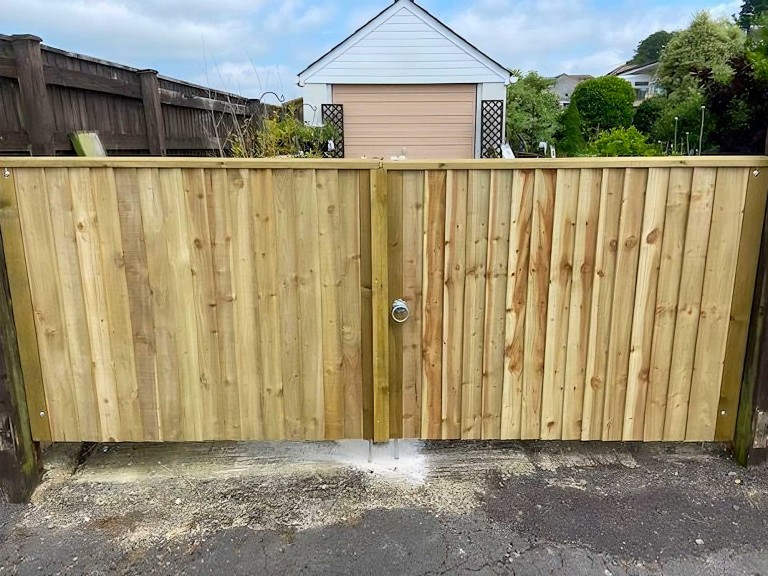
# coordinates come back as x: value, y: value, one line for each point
x: 400, y: 311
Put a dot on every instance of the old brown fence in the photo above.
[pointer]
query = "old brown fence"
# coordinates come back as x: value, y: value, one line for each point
x: 193, y: 299
x: 46, y: 93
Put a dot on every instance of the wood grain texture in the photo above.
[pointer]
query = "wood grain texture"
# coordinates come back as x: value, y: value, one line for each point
x: 395, y: 253
x: 630, y: 229
x: 670, y: 271
x: 365, y: 180
x: 413, y: 271
x: 716, y: 299
x: 559, y: 302
x: 641, y: 341
x: 453, y: 301
x: 380, y: 305
x: 435, y: 194
x: 537, y: 302
x: 521, y: 219
x: 499, y: 220
x: 23, y: 309
x: 587, y: 218
x: 741, y: 305
x: 689, y: 303
x: 478, y: 198
x: 612, y: 192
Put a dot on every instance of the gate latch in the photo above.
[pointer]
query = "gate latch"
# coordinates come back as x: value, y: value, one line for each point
x: 400, y: 311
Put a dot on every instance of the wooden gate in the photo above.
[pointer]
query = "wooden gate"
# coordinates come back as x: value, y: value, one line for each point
x: 206, y: 299
x: 591, y: 299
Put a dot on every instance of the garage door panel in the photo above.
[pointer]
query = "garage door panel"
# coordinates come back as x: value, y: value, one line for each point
x: 429, y: 121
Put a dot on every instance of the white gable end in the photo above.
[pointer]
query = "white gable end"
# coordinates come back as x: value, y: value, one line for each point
x: 403, y: 46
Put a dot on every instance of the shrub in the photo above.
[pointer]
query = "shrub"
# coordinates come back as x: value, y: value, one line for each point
x: 281, y: 135
x: 648, y: 114
x: 570, y: 140
x: 605, y: 103
x: 622, y: 142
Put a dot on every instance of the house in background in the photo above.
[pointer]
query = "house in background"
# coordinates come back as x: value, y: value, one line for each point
x: 643, y: 79
x: 565, y: 84
x: 405, y: 81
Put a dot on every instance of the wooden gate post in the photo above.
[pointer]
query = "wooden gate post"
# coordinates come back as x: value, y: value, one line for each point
x: 19, y: 470
x: 751, y: 441
x: 38, y: 114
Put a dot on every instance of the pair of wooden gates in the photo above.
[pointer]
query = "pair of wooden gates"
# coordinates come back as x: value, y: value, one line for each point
x: 206, y: 299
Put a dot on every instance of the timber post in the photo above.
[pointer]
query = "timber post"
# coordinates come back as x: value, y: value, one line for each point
x: 19, y: 462
x: 153, y: 111
x: 38, y: 114
x: 751, y: 441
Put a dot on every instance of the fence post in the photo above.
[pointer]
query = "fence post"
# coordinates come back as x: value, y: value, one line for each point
x: 36, y: 106
x: 153, y: 111
x: 751, y: 441
x: 19, y: 470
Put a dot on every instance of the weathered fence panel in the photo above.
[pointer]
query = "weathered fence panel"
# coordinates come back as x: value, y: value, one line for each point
x: 197, y: 301
x: 174, y: 300
x: 572, y: 299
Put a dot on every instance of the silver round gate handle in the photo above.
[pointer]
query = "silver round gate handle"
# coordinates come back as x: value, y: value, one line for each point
x: 400, y: 311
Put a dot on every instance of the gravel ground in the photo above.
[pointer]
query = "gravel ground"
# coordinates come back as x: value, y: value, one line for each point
x: 441, y: 508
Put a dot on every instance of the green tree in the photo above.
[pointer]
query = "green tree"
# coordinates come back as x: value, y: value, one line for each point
x: 707, y: 44
x: 648, y: 114
x: 605, y: 103
x: 685, y: 105
x: 750, y: 10
x: 649, y: 50
x: 570, y: 141
x: 532, y: 111
x: 623, y: 142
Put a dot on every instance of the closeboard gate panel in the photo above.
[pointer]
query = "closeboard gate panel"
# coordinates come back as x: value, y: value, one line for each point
x: 208, y: 299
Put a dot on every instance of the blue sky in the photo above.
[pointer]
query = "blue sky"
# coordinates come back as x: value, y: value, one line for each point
x: 251, y: 46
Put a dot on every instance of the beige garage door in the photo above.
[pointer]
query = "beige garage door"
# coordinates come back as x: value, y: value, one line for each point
x: 431, y: 121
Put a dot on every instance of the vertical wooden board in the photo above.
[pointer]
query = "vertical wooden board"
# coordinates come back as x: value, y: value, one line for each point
x: 269, y: 275
x: 435, y: 194
x: 23, y: 314
x: 89, y: 247
x: 645, y: 303
x: 741, y: 306
x: 499, y: 220
x: 478, y: 203
x: 247, y: 345
x: 220, y: 221
x: 559, y: 302
x: 286, y: 216
x: 204, y: 287
x: 182, y: 300
x: 671, y: 267
x: 40, y: 250
x: 139, y: 298
x: 366, y: 303
x: 521, y: 220
x: 167, y: 383
x: 118, y: 309
x: 310, y: 305
x: 331, y: 273
x: 413, y: 262
x: 716, y: 298
x: 689, y: 302
x: 587, y: 221
x: 351, y: 312
x: 395, y: 290
x: 630, y: 229
x: 537, y: 302
x: 380, y: 305
x: 612, y: 192
x: 73, y: 303
x: 453, y: 300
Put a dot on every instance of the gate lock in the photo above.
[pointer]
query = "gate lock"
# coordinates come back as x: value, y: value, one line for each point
x: 400, y: 311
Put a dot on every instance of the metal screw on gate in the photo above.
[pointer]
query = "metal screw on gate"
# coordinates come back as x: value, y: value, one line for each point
x: 6, y: 173
x: 756, y: 173
x: 42, y: 414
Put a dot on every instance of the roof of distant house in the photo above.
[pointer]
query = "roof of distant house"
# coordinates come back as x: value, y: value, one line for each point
x: 630, y: 68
